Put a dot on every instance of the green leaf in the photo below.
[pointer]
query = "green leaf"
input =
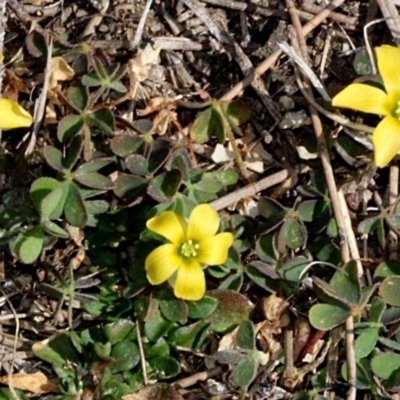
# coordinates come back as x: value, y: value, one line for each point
x: 387, y: 268
x: 100, y: 69
x: 191, y: 336
x: 69, y: 127
x: 165, y: 185
x: 120, y: 330
x: 130, y: 186
x: 264, y: 276
x: 73, y: 152
x: 41, y: 188
x: 36, y: 43
x: 94, y: 180
x: 364, y: 378
x: 346, y: 283
x: 54, y: 230
x: 233, y: 308
x: 160, y: 348
x: 362, y: 63
x: 328, y: 294
x: 94, y: 165
x: 325, y: 316
x: 165, y: 367
x: 157, y: 327
x: 78, y: 96
x: 202, y: 308
x: 366, y: 342
x: 383, y: 365
x: 348, y: 149
x: 57, y: 350
x: 137, y: 164
x: 123, y: 145
x: 103, y: 120
x: 368, y: 225
x: 96, y: 206
x: 118, y: 87
x: 6, y: 394
x: 91, y: 80
x: 126, y: 356
x: 316, y: 211
x: 207, y: 124
x: 245, y: 338
x: 266, y: 249
x: 292, y: 269
x: 232, y: 282
x: 210, y: 185
x: 52, y: 205
x: 293, y: 234
x: 378, y: 307
x: 245, y: 372
x: 325, y: 250
x: 28, y: 245
x: 74, y: 208
x: 172, y: 308
x: 143, y: 125
x: 54, y: 158
x: 231, y: 356
x: 389, y: 290
x: 238, y: 112
x: 272, y: 211
x: 228, y: 177
x: 103, y: 350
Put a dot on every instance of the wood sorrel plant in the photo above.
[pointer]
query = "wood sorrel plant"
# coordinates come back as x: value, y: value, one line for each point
x: 386, y: 102
x: 192, y: 245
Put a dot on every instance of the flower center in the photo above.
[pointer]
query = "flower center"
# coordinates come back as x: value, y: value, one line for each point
x: 397, y: 111
x: 189, y: 249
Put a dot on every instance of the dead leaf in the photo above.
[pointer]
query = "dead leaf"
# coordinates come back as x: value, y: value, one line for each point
x: 158, y: 104
x: 228, y: 341
x: 60, y: 72
x: 13, y: 85
x: 159, y: 391
x: 138, y: 67
x: 36, y: 383
x: 274, y: 307
x: 267, y: 341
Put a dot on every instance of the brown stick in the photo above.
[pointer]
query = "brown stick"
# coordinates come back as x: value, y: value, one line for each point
x: 333, y: 194
x: 253, y: 188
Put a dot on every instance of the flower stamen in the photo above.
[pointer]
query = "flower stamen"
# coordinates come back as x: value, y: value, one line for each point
x: 189, y: 249
x: 397, y: 111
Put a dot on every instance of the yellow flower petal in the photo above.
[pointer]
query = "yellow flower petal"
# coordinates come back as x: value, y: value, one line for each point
x: 365, y: 98
x: 190, y: 281
x: 386, y: 140
x: 214, y: 251
x: 170, y: 225
x: 12, y: 115
x: 203, y: 223
x: 161, y: 263
x: 388, y: 65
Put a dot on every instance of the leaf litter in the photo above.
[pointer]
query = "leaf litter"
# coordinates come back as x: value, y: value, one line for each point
x: 156, y: 106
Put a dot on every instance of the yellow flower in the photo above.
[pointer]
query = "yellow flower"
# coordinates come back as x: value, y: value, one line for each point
x: 193, y: 245
x: 12, y: 115
x: 369, y: 99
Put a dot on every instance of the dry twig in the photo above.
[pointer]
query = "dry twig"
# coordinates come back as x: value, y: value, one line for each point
x: 389, y: 11
x: 253, y: 188
x: 344, y: 230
